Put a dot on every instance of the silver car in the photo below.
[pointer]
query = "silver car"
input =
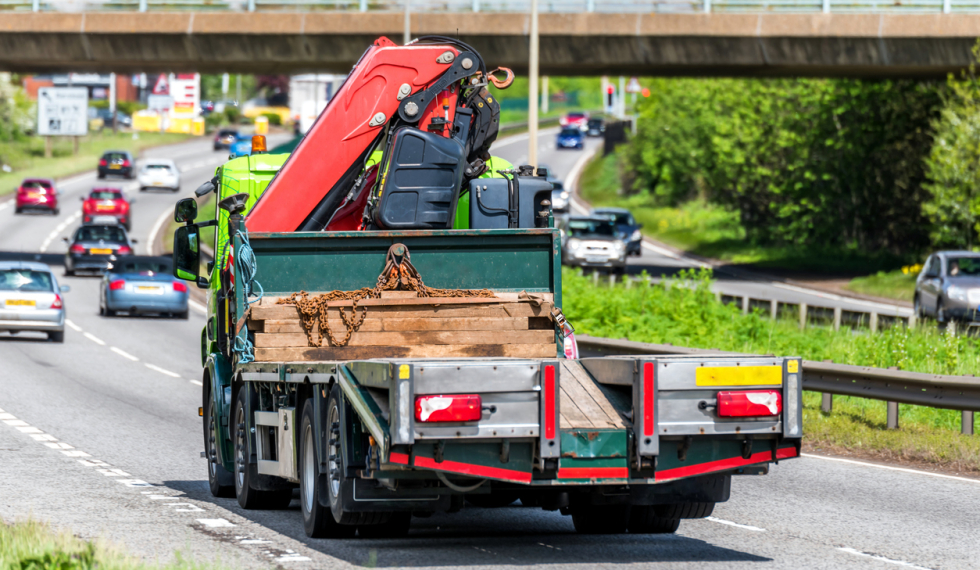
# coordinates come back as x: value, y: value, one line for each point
x: 30, y: 299
x: 948, y: 287
x: 141, y: 284
x: 159, y: 173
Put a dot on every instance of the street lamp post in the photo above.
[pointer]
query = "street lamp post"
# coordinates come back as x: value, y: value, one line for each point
x: 532, y: 95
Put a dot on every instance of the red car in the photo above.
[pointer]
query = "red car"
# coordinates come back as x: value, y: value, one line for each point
x: 579, y: 120
x: 37, y: 194
x: 105, y: 205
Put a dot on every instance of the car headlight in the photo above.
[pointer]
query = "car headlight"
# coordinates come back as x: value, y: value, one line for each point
x: 637, y: 236
x: 619, y: 246
x: 574, y: 244
x: 956, y: 293
x: 564, y: 195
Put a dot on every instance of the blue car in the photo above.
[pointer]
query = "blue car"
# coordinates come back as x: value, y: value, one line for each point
x: 241, y: 147
x: 139, y: 285
x: 570, y: 137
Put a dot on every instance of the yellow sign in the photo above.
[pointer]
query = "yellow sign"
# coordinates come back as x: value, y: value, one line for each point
x: 739, y: 376
x: 793, y: 366
x: 403, y: 372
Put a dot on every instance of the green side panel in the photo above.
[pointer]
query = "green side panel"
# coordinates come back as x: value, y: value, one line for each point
x: 704, y: 451
x: 590, y: 444
x: 505, y: 260
x: 593, y: 463
x: 462, y: 219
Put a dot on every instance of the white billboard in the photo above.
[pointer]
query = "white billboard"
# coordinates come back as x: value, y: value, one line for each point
x: 62, y: 111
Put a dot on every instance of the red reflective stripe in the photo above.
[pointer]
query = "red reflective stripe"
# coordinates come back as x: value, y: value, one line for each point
x: 648, y: 410
x: 471, y: 469
x: 400, y: 458
x: 549, y: 402
x: 723, y: 464
x: 593, y: 473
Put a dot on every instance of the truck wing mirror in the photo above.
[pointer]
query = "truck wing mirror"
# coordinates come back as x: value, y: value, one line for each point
x: 185, y: 210
x: 206, y: 188
x: 187, y: 255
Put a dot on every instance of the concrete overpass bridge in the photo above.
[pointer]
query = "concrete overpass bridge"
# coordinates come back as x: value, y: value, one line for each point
x: 864, y: 38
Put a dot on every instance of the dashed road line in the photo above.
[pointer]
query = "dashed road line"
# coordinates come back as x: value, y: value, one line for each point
x: 883, y: 559
x: 162, y: 370
x: 891, y: 468
x: 61, y: 227
x: 197, y: 382
x: 735, y: 524
x: 94, y: 338
x: 123, y: 353
x: 215, y: 523
x: 73, y: 326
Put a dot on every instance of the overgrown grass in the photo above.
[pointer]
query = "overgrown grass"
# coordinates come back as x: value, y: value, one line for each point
x: 205, y: 211
x: 26, y: 157
x: 33, y: 545
x: 891, y: 284
x: 713, y: 231
x: 685, y: 312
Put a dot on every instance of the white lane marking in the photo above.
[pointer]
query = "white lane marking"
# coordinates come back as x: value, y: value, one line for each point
x: 197, y: 383
x: 197, y: 306
x: 522, y: 137
x: 5, y: 416
x: 292, y: 558
x: 5, y: 204
x: 58, y: 445
x: 890, y: 468
x: 29, y: 429
x: 15, y: 423
x: 61, y: 227
x: 213, y: 523
x: 883, y: 559
x: 254, y: 541
x: 75, y: 453
x: 730, y: 523
x: 94, y: 339
x: 93, y: 463
x: 133, y: 482
x: 191, y: 508
x: 73, y: 326
x: 151, y: 239
x: 841, y: 298
x: 123, y: 353
x: 113, y: 473
x: 162, y: 370
x: 43, y: 437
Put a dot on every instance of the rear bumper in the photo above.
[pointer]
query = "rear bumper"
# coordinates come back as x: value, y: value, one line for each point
x: 88, y: 262
x: 167, y: 303
x: 125, y: 171
x: 45, y: 320
x: 36, y: 204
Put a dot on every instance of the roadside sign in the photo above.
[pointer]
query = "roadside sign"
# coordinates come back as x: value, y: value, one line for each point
x: 162, y: 85
x: 634, y: 85
x: 159, y: 102
x: 62, y: 111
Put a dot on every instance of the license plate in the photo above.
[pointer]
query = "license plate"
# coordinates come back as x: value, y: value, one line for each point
x: 150, y: 290
x: 158, y: 183
x: 99, y: 251
x: 115, y: 166
x: 596, y: 259
x: 32, y: 194
x: 21, y: 303
x: 104, y: 207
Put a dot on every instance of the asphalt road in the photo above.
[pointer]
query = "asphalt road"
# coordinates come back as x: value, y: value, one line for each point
x: 100, y: 436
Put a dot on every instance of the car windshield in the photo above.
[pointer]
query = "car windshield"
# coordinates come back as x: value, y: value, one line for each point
x: 25, y: 280
x: 223, y: 134
x: 114, y: 156
x: 570, y: 132
x: 594, y: 227
x: 963, y: 266
x: 104, y: 233
x: 36, y: 184
x: 618, y: 218
x: 143, y: 267
x: 157, y: 167
x: 105, y: 195
x: 595, y: 122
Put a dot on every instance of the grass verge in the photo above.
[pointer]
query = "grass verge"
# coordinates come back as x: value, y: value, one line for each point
x: 26, y: 157
x: 34, y: 545
x: 685, y: 312
x: 712, y: 231
x: 889, y: 284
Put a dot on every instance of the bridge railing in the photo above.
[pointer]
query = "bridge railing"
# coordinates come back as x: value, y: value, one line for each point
x: 509, y: 6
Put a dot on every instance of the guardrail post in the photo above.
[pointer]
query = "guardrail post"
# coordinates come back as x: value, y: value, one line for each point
x: 595, y: 278
x: 802, y: 316
x: 892, y: 415
x: 36, y: 6
x: 363, y: 6
x: 947, y: 6
x: 590, y: 6
x: 745, y: 304
x: 718, y: 296
x: 837, y: 318
x: 773, y: 309
x: 966, y: 425
x: 707, y: 6
x: 827, y: 403
x: 612, y: 279
x: 873, y: 322
x: 142, y: 5
x: 476, y: 5
x: 628, y: 281
x: 826, y: 6
x: 251, y: 5
x: 913, y: 321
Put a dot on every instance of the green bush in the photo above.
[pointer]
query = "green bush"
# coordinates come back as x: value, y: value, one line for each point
x: 232, y: 114
x: 274, y: 118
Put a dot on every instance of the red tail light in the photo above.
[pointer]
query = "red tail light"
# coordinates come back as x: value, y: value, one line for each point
x: 87, y: 206
x: 750, y: 403
x: 449, y: 408
x: 124, y: 250
x: 56, y: 304
x: 123, y: 206
x: 117, y: 284
x: 180, y: 287
x: 77, y: 248
x: 549, y: 402
x: 103, y: 162
x: 125, y: 163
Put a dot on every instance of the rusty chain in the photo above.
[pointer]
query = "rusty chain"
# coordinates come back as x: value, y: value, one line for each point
x: 399, y: 273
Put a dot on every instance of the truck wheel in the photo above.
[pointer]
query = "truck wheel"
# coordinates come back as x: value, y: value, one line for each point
x: 248, y: 496
x: 318, y: 521
x: 396, y: 526
x: 601, y: 519
x: 220, y: 481
x: 337, y: 479
x: 644, y: 520
x: 685, y: 510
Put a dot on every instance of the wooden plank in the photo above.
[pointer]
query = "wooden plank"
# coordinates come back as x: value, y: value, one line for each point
x: 399, y: 295
x: 418, y: 324
x: 572, y: 416
x: 410, y: 338
x: 586, y: 382
x: 423, y: 351
x: 500, y: 310
x: 572, y: 384
x: 257, y: 326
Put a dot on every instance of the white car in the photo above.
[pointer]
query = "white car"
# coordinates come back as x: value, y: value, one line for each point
x: 159, y: 173
x: 30, y: 300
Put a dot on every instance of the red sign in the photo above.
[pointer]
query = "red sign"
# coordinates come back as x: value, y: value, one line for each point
x: 162, y: 85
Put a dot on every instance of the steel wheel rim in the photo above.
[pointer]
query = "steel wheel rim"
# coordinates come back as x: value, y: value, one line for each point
x: 309, y: 469
x: 212, y: 451
x: 333, y: 453
x: 240, y: 449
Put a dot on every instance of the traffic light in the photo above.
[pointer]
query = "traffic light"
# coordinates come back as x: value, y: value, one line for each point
x: 645, y: 92
x: 610, y: 92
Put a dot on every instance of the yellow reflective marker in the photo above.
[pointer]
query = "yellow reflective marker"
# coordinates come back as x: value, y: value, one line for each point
x: 739, y: 376
x: 793, y: 366
x: 403, y: 372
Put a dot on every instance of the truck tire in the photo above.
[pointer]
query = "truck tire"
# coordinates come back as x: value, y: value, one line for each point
x: 318, y: 521
x: 220, y: 481
x: 644, y: 520
x: 248, y: 496
x: 685, y: 510
x: 600, y: 519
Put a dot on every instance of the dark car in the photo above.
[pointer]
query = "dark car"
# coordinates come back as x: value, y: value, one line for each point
x: 109, y: 119
x: 117, y: 163
x: 948, y: 287
x: 140, y: 284
x: 626, y: 228
x: 570, y: 137
x: 37, y: 194
x: 224, y: 138
x: 596, y: 127
x: 591, y: 241
x: 93, y: 247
